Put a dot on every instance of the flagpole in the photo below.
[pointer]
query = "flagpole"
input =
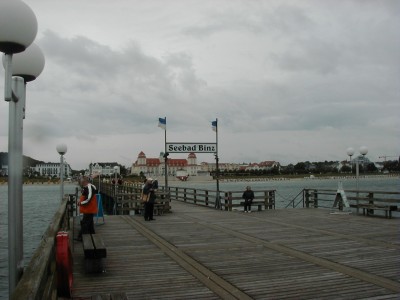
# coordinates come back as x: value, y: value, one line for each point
x: 218, y: 199
x: 166, y: 157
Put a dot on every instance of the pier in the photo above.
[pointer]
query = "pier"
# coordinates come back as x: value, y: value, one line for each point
x: 197, y: 252
x: 201, y: 253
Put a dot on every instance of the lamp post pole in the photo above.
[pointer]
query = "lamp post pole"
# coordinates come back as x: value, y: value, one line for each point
x: 363, y: 151
x: 62, y: 149
x: 15, y: 185
x: 18, y: 28
x: 350, y: 153
x: 218, y: 198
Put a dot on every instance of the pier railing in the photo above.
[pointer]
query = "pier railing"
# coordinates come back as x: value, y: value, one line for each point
x: 230, y: 200
x: 327, y: 198
x: 39, y: 280
x: 125, y: 198
x: 120, y: 199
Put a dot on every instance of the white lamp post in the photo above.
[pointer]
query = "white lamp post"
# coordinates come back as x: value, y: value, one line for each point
x: 18, y: 28
x: 363, y: 151
x: 350, y: 153
x: 61, y: 149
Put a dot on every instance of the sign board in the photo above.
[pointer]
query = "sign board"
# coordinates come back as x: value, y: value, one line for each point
x: 191, y: 147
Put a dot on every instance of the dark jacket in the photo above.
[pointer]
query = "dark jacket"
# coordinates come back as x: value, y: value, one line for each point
x: 248, y: 195
x: 148, y: 189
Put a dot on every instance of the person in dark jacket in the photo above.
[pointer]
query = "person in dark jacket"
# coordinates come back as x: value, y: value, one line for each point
x: 149, y: 190
x: 248, y: 196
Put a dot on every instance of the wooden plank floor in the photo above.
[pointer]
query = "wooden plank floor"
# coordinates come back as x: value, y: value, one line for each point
x: 275, y: 254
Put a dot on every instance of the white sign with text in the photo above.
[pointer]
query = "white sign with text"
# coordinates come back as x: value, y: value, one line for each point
x: 191, y: 147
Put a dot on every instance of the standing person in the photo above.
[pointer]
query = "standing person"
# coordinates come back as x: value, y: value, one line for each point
x: 88, y: 207
x: 149, y: 192
x: 248, y: 196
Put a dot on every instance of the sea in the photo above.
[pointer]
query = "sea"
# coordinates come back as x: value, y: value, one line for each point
x: 41, y: 201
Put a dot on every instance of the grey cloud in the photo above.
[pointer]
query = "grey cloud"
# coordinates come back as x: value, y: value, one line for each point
x: 108, y: 90
x: 277, y: 19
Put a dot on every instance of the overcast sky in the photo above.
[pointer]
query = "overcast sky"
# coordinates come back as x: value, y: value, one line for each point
x: 288, y: 80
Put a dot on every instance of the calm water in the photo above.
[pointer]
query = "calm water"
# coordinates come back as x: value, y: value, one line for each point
x: 40, y: 204
x: 42, y: 201
x: 286, y: 190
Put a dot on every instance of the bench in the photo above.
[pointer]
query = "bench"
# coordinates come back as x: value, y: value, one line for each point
x: 95, y: 253
x: 368, y: 209
x: 160, y: 206
x: 259, y: 204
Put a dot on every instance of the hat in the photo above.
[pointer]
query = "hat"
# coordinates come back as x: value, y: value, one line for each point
x: 149, y: 179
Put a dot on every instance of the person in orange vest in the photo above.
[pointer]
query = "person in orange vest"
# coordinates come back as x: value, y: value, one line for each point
x: 88, y: 207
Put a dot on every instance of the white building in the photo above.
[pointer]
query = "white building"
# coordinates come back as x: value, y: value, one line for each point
x: 156, y: 166
x: 103, y: 169
x: 52, y: 169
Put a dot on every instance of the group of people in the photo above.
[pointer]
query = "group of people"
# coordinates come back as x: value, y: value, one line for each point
x: 88, y: 203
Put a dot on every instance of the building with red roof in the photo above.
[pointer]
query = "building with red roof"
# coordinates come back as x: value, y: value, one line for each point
x: 153, y: 167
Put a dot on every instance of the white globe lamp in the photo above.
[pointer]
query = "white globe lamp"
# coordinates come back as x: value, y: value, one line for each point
x: 18, y: 26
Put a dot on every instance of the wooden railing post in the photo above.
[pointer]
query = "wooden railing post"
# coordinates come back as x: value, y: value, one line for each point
x: 206, y: 198
x: 371, y: 202
x: 315, y: 197
x: 271, y: 199
x: 228, y: 201
x: 194, y: 196
x: 306, y: 196
x: 184, y: 195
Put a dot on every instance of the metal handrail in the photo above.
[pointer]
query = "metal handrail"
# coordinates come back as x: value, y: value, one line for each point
x: 292, y: 201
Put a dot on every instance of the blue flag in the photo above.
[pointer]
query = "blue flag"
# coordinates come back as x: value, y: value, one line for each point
x: 162, y: 123
x: 214, y: 126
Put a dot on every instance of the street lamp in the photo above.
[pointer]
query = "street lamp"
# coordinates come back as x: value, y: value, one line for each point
x: 18, y: 28
x: 350, y: 153
x: 61, y: 149
x: 363, y: 151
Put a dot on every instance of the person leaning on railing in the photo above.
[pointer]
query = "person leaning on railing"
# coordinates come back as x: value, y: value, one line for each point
x: 150, y: 196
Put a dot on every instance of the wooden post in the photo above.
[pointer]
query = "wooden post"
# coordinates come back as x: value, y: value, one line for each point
x: 194, y: 196
x: 306, y: 196
x: 228, y: 201
x: 315, y: 196
x: 371, y: 202
x: 206, y: 200
x: 271, y: 197
x: 184, y: 194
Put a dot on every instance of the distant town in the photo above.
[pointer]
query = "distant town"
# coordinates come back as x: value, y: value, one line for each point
x: 144, y: 166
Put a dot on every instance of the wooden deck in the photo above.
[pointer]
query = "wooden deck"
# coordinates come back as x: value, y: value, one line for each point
x: 201, y: 253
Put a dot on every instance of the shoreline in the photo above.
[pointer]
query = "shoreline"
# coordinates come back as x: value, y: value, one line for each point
x: 310, y: 178
x: 250, y: 179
